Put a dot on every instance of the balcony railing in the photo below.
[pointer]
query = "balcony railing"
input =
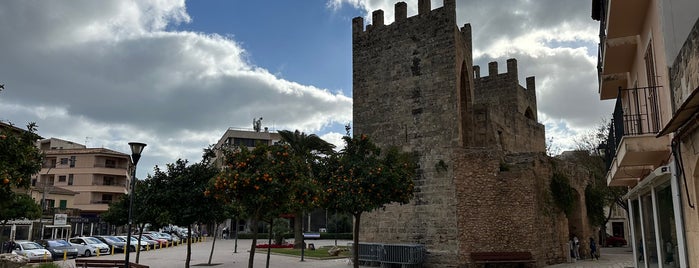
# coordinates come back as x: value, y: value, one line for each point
x: 103, y: 165
x: 120, y: 184
x: 636, y: 113
x: 101, y: 201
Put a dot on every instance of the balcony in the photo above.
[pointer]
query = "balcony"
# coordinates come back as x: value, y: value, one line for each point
x: 621, y: 23
x: 632, y: 146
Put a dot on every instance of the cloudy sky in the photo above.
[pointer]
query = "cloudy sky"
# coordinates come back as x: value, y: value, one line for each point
x: 176, y: 74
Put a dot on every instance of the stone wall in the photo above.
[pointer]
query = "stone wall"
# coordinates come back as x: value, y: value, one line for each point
x: 504, y: 205
x: 414, y: 88
x: 405, y: 86
x: 684, y: 81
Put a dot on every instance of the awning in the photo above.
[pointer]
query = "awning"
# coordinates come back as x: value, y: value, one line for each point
x: 657, y: 177
x: 688, y: 109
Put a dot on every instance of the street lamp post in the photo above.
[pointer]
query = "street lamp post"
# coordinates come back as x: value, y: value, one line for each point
x: 136, y: 149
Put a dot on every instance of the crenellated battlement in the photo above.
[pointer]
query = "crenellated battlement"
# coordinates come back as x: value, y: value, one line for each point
x: 505, y: 88
x: 512, y: 72
x: 400, y: 15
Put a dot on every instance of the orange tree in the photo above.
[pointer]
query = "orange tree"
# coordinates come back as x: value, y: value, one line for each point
x: 361, y: 179
x: 265, y: 182
x: 19, y: 160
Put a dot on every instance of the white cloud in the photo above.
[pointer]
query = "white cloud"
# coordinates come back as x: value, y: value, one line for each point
x: 550, y: 40
x: 110, y: 72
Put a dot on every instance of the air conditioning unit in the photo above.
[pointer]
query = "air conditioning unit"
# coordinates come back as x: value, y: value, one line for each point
x: 661, y: 170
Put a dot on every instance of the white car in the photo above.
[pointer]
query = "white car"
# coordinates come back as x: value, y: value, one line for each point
x: 31, y: 250
x: 89, y: 246
x: 134, y: 241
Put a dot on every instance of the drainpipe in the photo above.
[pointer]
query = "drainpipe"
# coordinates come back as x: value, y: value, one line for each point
x: 677, y: 171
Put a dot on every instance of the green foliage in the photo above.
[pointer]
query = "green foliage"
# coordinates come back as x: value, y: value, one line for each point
x: 595, y: 203
x: 340, y: 223
x: 19, y: 159
x: 118, y: 212
x: 280, y: 230
x: 21, y: 206
x: 562, y: 193
x: 267, y: 177
x: 362, y: 179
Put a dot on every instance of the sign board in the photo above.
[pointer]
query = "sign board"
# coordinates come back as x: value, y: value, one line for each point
x: 60, y: 219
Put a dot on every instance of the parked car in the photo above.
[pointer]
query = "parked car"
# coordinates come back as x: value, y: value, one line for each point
x: 151, y: 243
x: 133, y: 242
x: 59, y: 247
x: 161, y: 241
x: 88, y: 246
x: 31, y: 250
x: 615, y: 241
x: 113, y: 242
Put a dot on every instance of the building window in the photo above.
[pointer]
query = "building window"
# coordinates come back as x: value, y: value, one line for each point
x: 63, y: 204
x: 108, y: 180
x: 72, y: 161
x: 64, y: 161
x: 106, y: 199
x: 652, y: 79
x: 248, y: 142
x: 62, y: 178
x: 110, y: 163
x: 70, y: 179
x: 50, y: 203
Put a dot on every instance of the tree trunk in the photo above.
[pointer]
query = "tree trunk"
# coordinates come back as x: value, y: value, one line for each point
x: 140, y: 234
x: 189, y: 246
x: 269, y: 241
x: 355, y: 244
x: 235, y: 248
x: 298, y: 230
x: 211, y: 255
x: 251, y: 260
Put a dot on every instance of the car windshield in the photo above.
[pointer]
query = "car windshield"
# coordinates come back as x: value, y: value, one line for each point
x: 111, y: 238
x: 58, y: 243
x: 91, y: 240
x: 31, y: 245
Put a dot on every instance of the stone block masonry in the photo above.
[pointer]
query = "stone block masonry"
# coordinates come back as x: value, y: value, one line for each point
x: 415, y: 87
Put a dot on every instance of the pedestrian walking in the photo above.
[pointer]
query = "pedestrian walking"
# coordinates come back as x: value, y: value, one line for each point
x: 225, y: 232
x: 576, y: 245
x: 593, y: 249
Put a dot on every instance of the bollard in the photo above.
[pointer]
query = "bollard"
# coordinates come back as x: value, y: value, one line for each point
x: 112, y: 249
x: 124, y: 249
x: 97, y: 251
x: 65, y: 255
x: 45, y: 256
x: 148, y: 247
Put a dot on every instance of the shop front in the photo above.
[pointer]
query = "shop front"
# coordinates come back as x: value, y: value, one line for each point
x: 657, y: 235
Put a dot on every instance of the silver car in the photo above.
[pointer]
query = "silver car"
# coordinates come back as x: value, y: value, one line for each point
x: 31, y: 250
x: 89, y: 246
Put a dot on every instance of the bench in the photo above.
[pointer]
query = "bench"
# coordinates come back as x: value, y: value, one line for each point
x: 311, y: 235
x: 105, y: 263
x: 487, y: 258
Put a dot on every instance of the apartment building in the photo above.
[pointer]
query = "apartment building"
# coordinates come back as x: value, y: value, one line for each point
x: 97, y: 176
x: 640, y: 44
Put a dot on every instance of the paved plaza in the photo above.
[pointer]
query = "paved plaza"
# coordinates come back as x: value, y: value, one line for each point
x: 224, y: 256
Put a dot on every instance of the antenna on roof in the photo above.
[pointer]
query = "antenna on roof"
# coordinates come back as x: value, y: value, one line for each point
x: 257, y: 124
x: 86, y: 139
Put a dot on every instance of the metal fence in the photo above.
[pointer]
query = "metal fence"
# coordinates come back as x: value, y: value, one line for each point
x: 391, y: 255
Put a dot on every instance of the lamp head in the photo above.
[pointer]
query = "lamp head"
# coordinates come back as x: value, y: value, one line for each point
x: 136, y: 149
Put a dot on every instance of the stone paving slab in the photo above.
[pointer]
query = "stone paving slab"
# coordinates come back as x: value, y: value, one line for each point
x: 225, y: 257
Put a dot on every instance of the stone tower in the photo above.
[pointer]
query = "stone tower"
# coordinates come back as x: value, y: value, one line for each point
x: 483, y: 174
